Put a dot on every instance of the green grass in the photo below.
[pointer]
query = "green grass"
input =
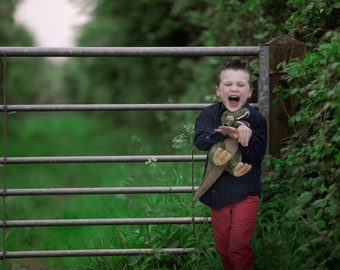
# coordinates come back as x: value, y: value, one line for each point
x: 85, y: 134
x: 74, y: 134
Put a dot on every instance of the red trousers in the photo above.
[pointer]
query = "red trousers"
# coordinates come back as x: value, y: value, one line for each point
x: 233, y: 227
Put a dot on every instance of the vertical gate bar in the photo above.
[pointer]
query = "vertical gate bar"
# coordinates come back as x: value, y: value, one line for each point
x: 4, y: 66
x: 263, y: 85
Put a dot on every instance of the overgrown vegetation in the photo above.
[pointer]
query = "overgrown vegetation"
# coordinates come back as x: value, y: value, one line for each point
x: 302, y: 191
x: 299, y: 213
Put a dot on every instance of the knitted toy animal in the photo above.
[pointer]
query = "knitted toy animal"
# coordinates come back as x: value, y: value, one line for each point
x: 225, y: 155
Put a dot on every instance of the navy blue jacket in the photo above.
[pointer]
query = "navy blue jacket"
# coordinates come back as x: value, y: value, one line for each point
x: 229, y: 189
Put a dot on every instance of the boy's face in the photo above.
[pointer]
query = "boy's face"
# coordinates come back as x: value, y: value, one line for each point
x: 234, y: 88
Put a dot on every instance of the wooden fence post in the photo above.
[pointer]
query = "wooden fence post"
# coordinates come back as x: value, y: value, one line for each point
x: 282, y: 49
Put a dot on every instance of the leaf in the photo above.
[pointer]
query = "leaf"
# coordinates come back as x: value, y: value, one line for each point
x: 304, y: 198
x: 320, y: 203
x: 319, y: 224
x: 293, y: 214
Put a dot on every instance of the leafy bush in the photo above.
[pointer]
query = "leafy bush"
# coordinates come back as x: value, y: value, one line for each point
x: 302, y: 191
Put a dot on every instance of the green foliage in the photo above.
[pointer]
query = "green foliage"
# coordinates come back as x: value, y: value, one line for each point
x: 27, y: 79
x: 312, y: 19
x: 10, y: 33
x: 185, y: 139
x: 306, y: 178
x: 299, y: 214
x: 169, y: 23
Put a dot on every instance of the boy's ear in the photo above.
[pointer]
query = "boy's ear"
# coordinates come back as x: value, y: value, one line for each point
x: 217, y: 89
x: 251, y: 89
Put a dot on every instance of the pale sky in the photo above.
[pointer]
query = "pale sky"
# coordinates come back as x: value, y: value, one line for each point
x: 52, y: 23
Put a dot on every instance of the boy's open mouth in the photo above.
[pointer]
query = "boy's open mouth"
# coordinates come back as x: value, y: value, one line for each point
x: 234, y: 99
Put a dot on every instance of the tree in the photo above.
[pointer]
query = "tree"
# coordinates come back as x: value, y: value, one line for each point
x: 27, y: 79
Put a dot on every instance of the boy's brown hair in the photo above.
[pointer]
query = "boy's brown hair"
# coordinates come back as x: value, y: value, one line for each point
x: 236, y: 64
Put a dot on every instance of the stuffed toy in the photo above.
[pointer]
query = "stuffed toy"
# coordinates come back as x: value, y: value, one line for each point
x: 225, y: 155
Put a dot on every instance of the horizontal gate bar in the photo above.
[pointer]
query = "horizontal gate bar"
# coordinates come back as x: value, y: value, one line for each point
x: 97, y: 159
x: 91, y: 190
x: 103, y: 221
x: 105, y: 107
x: 95, y: 252
x: 129, y: 51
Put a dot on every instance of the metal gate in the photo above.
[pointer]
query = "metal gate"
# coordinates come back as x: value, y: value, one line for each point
x: 261, y: 51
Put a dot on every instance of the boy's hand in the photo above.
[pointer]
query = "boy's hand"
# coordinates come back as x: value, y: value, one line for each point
x: 243, y: 134
x: 227, y: 131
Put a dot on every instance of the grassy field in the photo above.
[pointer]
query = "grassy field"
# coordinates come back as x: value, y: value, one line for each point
x: 85, y: 134
x: 74, y: 134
